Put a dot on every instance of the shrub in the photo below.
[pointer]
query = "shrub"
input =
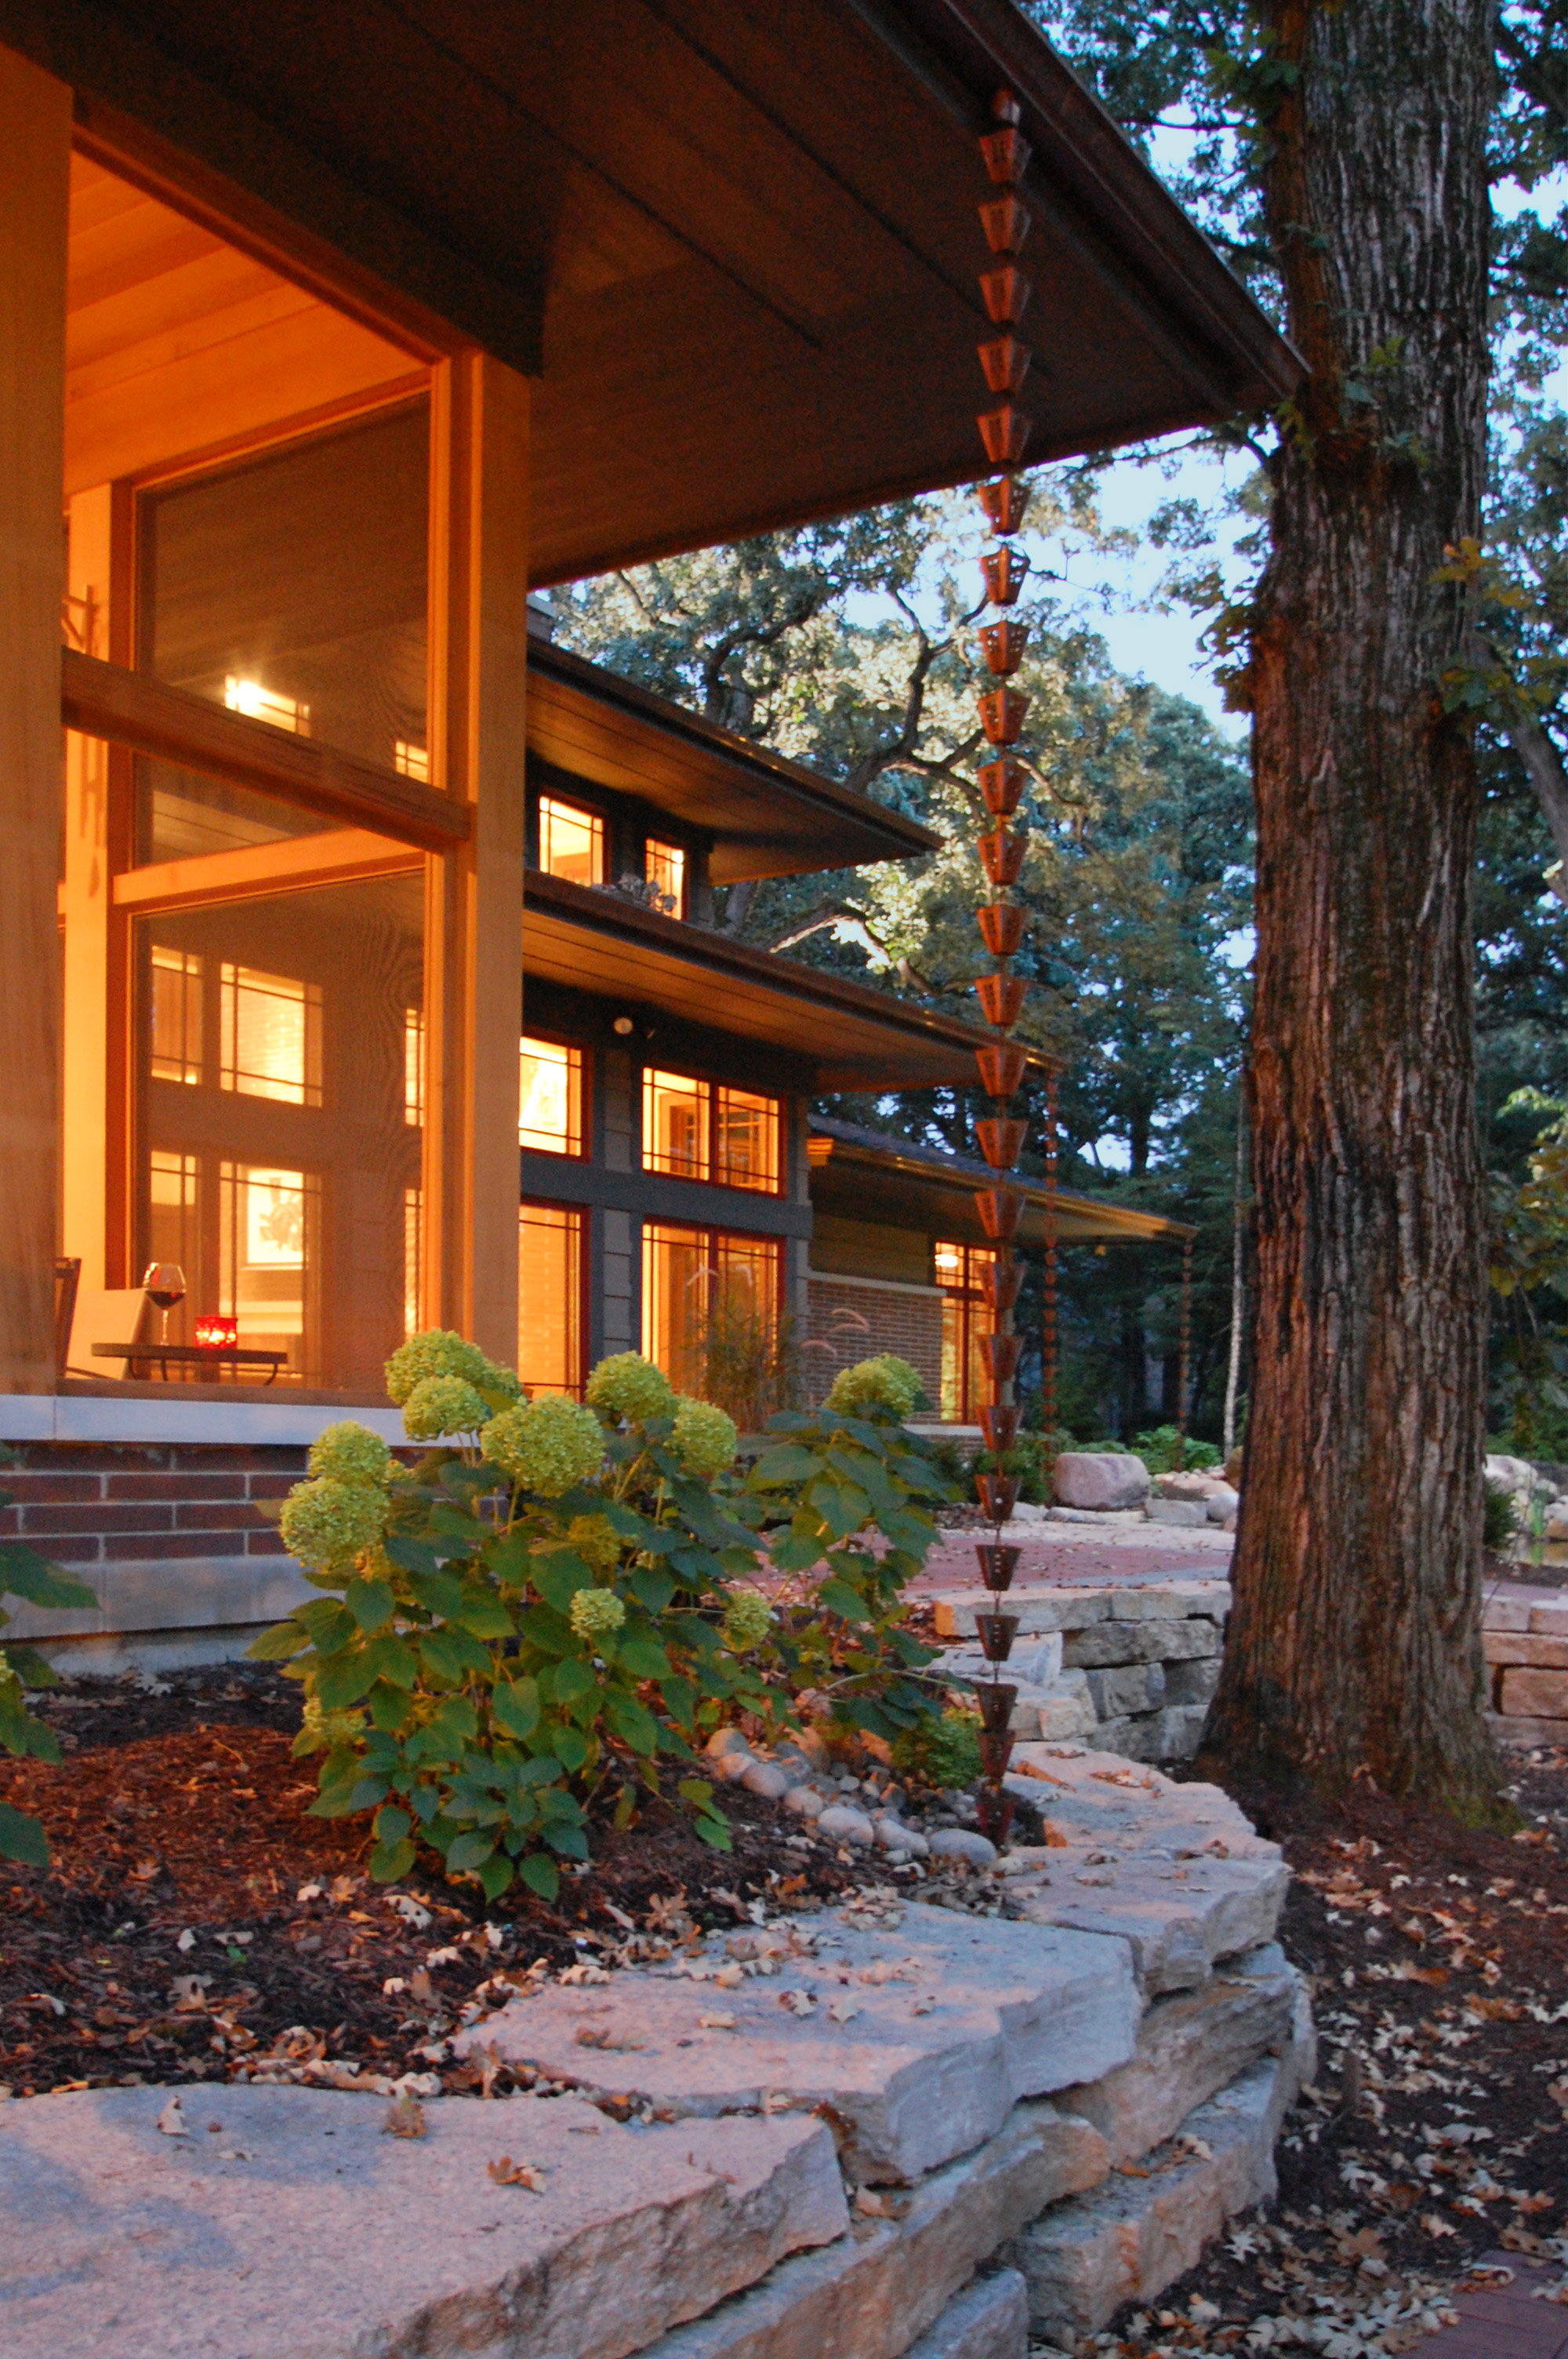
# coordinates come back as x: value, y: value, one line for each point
x: 1162, y: 1453
x: 884, y: 1383
x: 942, y: 1748
x: 25, y: 1573
x: 545, y: 1614
x: 1499, y: 1519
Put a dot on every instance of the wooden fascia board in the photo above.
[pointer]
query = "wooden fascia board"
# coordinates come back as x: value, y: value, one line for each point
x: 127, y: 708
x: 877, y: 1036
x: 195, y: 147
x: 647, y: 742
x: 1088, y: 1216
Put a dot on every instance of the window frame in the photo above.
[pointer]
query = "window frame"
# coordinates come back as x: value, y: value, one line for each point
x: 714, y: 1091
x: 707, y: 1233
x: 600, y: 823
x: 967, y: 1301
x: 583, y: 1151
x: 579, y: 1215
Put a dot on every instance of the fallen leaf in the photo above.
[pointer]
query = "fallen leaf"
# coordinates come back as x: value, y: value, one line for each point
x: 798, y: 2002
x: 404, y: 2119
x: 719, y: 2021
x: 172, y: 2122
x: 1436, y: 2227
x: 844, y: 2010
x: 507, y: 2173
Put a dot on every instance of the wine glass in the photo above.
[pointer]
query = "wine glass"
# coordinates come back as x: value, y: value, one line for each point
x: 165, y: 1282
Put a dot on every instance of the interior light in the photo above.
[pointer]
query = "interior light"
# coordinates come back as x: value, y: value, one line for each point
x: 259, y: 703
x: 623, y: 1025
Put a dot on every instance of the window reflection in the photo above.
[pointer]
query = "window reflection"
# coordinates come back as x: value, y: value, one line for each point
x: 664, y: 868
x: 550, y: 1109
x: 270, y: 1026
x: 694, y: 1279
x: 967, y: 1316
x: 571, y: 842
x: 674, y: 1124
x: 549, y: 1299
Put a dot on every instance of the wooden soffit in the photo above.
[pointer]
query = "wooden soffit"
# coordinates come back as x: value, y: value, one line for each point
x: 853, y: 1039
x: 898, y: 1185
x: 736, y: 246
x: 767, y: 816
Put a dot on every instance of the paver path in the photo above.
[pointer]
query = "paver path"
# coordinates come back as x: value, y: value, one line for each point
x: 1509, y: 2322
x: 1075, y: 1556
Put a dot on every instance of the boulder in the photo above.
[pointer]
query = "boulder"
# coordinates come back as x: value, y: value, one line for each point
x: 805, y: 1801
x: 990, y: 2320
x: 1190, y: 1483
x: 766, y: 1779
x: 844, y: 1825
x: 1192, y: 1513
x: 960, y: 1843
x: 1092, y: 1478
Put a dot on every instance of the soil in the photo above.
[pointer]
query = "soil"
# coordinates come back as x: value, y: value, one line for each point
x: 196, y: 1920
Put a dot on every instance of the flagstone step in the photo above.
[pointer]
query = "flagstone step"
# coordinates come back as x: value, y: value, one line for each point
x: 299, y: 2227
x: 876, y: 2293
x: 921, y: 2035
x: 1148, y: 2224
x: 990, y: 2320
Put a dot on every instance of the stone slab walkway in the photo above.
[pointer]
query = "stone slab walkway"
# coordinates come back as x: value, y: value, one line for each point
x: 1074, y: 1556
x: 1507, y: 2322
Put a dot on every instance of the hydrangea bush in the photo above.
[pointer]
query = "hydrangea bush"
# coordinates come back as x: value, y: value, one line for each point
x: 561, y: 1597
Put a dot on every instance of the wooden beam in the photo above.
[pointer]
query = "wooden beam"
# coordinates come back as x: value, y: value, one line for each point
x: 473, y: 962
x: 261, y: 871
x: 128, y: 708
x: 35, y: 170
x: 86, y: 911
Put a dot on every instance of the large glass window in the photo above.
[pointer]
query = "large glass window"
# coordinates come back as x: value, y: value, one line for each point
x: 697, y: 1130
x: 571, y: 842
x: 701, y: 1289
x: 966, y: 1317
x: 550, y: 1298
x: 663, y: 866
x: 278, y: 1105
x: 549, y: 1108
x: 291, y: 588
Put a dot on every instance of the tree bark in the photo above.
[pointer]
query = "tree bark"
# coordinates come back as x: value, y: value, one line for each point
x: 1355, y: 1641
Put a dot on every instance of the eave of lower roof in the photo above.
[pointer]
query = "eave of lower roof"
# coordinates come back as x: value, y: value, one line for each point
x: 855, y: 1038
x: 842, y: 1147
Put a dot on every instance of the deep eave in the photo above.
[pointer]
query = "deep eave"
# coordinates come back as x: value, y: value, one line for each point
x: 767, y: 816
x: 737, y: 248
x: 867, y: 1177
x: 851, y: 1037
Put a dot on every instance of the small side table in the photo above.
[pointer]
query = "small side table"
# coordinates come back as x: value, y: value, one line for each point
x: 202, y: 1357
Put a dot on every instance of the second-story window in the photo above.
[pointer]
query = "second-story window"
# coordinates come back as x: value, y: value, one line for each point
x: 700, y: 1130
x: 549, y: 1102
x: 571, y: 842
x: 663, y: 865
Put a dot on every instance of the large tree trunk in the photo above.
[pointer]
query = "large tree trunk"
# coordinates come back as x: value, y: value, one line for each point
x: 1355, y: 1643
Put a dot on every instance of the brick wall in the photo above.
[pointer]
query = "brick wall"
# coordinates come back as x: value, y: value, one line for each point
x: 851, y: 1319
x: 98, y: 1503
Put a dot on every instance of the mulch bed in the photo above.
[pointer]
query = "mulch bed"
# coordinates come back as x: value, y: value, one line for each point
x: 195, y: 1920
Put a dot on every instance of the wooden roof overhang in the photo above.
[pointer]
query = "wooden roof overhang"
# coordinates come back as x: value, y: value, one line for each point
x: 902, y: 1185
x: 736, y: 246
x: 851, y: 1037
x: 767, y: 816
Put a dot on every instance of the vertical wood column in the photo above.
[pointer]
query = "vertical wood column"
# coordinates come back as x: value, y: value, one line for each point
x: 479, y: 580
x: 35, y: 170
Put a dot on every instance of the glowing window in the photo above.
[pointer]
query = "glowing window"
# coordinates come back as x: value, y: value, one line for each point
x: 746, y: 1141
x: 665, y: 867
x: 677, y: 1112
x: 549, y: 1299
x: 177, y: 1017
x: 259, y: 703
x: 270, y: 1036
x: 711, y: 1304
x: 550, y: 1105
x: 967, y: 1316
x: 269, y: 1257
x: 411, y: 761
x: 413, y: 1066
x: 173, y: 1228
x: 571, y: 842
x: 413, y: 1262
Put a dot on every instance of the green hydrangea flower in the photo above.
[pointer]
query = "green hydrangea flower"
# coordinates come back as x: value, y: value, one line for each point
x: 330, y: 1727
x: 436, y: 1352
x: 886, y: 1382
x: 748, y: 1620
x: 440, y: 1405
x: 551, y: 1446
x: 628, y: 1387
x: 351, y: 1453
x: 595, y: 1612
x: 327, y: 1523
x: 704, y: 1438
x: 596, y: 1540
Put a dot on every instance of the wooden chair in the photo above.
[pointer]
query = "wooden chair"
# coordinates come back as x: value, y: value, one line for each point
x: 67, y: 1278
x: 116, y: 1314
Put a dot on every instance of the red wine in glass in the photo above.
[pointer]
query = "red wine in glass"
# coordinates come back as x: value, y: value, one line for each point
x: 165, y: 1284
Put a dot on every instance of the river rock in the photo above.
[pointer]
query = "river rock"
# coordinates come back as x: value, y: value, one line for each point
x: 1092, y: 1478
x: 845, y: 1825
x: 766, y: 1779
x: 805, y: 1801
x: 958, y: 1843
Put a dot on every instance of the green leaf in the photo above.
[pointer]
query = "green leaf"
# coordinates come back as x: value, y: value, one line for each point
x: 495, y: 1874
x: 392, y: 1824
x: 390, y: 1861
x: 558, y: 1576
x: 370, y: 1602
x: 30, y: 1666
x: 788, y: 1463
x: 841, y: 1599
x: 484, y: 1617
x: 695, y: 1789
x: 438, y: 1593
x: 574, y: 1678
x: 715, y: 1833
x: 329, y: 1622
x: 448, y: 1653
x: 25, y: 1573
x: 392, y: 1659
x: 680, y: 1700
x: 389, y: 1705
x: 571, y: 1747
x: 22, y: 1838
x: 541, y: 1875
x: 470, y: 1851
x: 635, y: 1726
x: 343, y: 1680
x: 514, y: 1706
x: 279, y: 1645
x: 644, y: 1658
x: 652, y: 1589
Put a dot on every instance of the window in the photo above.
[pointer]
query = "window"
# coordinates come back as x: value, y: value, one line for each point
x: 695, y: 1130
x: 176, y: 994
x: 549, y: 1108
x: 663, y: 866
x: 269, y: 1257
x: 966, y: 1317
x: 550, y: 1298
x: 413, y: 1258
x: 259, y: 703
x: 571, y: 842
x: 413, y: 1066
x: 270, y: 1026
x: 702, y: 1290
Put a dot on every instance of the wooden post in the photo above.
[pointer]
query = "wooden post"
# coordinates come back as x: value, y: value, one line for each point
x: 479, y: 585
x: 35, y: 180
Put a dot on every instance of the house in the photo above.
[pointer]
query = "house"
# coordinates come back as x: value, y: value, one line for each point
x: 329, y: 341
